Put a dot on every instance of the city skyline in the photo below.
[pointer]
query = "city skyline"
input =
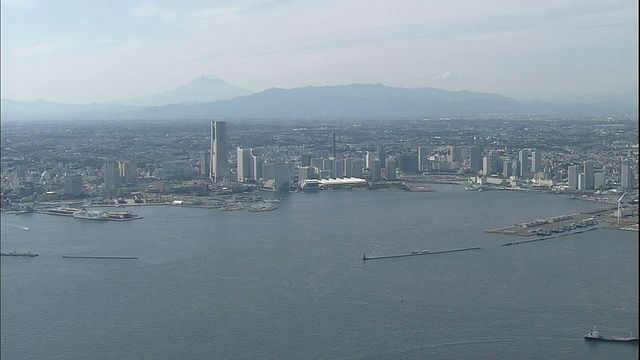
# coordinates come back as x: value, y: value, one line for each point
x: 82, y: 53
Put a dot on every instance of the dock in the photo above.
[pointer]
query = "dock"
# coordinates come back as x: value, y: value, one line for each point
x: 111, y: 215
x: 365, y: 257
x: 546, y: 238
x: 100, y: 257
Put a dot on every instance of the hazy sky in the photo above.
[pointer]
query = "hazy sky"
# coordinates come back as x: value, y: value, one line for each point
x: 97, y: 51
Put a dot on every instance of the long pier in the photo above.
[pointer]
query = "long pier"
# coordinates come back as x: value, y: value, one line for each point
x: 100, y: 257
x: 547, y: 238
x: 365, y: 257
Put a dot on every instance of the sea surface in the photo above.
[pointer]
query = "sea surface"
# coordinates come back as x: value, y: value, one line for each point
x: 291, y: 283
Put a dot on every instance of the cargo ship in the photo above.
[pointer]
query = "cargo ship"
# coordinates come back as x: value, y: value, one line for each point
x: 594, y: 335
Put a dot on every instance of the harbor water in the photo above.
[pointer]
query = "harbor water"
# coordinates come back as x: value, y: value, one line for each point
x: 291, y: 283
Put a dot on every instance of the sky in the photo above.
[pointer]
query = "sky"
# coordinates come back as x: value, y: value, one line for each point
x: 84, y: 51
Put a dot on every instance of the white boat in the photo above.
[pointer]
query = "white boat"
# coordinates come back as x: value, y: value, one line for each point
x: 90, y: 214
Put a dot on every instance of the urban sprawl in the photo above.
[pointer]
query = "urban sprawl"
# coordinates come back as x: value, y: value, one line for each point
x: 204, y: 162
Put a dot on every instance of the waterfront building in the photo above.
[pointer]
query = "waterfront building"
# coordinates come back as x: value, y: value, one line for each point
x: 370, y: 157
x: 317, y: 163
x: 176, y: 170
x: 572, y: 177
x: 423, y: 158
x: 475, y: 159
x: 305, y: 159
x: 454, y: 154
x: 128, y: 171
x: 506, y: 168
x: 205, y: 164
x: 408, y: 163
x: 515, y: 168
x: 390, y: 169
x: 348, y: 167
x: 525, y: 167
x: 382, y: 155
x: 256, y: 165
x: 626, y: 177
x: 219, y: 157
x: 374, y: 171
x: 356, y: 168
x: 243, y: 166
x: 111, y: 175
x: 599, y: 181
x: 536, y: 164
x: 73, y: 185
x: 338, y: 168
x: 327, y: 164
x: 582, y: 182
x: 306, y: 173
x: 588, y: 175
x: 486, y: 166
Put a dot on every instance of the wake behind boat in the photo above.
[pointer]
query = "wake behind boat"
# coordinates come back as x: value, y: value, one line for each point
x: 594, y: 335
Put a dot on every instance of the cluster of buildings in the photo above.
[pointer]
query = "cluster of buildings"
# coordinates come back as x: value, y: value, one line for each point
x: 302, y: 159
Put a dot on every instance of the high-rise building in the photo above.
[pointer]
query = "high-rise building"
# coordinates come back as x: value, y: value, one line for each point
x: 423, y: 158
x: 356, y: 168
x: 374, y: 170
x: 219, y: 159
x: 111, y: 174
x: 588, y: 175
x: 475, y: 159
x: 205, y: 164
x: 390, y: 169
x: 626, y: 178
x: 128, y: 171
x: 536, y: 164
x: 572, y: 177
x: 338, y: 168
x: 582, y: 182
x: 599, y: 181
x: 348, y: 167
x: 507, y: 167
x: 370, y: 157
x: 525, y: 168
x: 382, y: 155
x: 256, y: 166
x: 73, y: 185
x: 282, y: 175
x: 408, y: 163
x: 244, y: 167
x: 305, y: 159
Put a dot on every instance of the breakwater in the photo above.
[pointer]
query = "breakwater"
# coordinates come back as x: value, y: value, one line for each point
x: 365, y: 257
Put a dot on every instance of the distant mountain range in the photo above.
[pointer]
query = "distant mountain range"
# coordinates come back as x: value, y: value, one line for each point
x: 211, y: 97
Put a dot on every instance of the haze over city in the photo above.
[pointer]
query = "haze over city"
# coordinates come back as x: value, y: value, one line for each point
x: 84, y: 52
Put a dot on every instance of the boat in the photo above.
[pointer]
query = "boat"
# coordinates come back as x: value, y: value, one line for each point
x: 594, y: 335
x: 90, y: 215
x: 13, y: 253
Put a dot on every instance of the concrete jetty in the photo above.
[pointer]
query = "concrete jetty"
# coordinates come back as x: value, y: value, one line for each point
x: 100, y: 257
x: 365, y: 257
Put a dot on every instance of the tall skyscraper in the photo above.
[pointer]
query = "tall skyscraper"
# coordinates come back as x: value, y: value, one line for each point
x: 588, y: 175
x: 626, y: 180
x: 390, y: 169
x: 111, y: 174
x: 128, y: 171
x: 423, y: 158
x: 536, y: 164
x: 243, y: 164
x: 256, y: 166
x: 382, y: 155
x: 205, y: 164
x: 370, y: 158
x: 572, y: 177
x: 374, y: 170
x: 73, y: 185
x: 475, y: 159
x: 219, y: 160
x: 525, y: 168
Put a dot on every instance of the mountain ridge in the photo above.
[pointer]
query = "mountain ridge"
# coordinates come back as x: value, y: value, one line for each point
x: 351, y: 100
